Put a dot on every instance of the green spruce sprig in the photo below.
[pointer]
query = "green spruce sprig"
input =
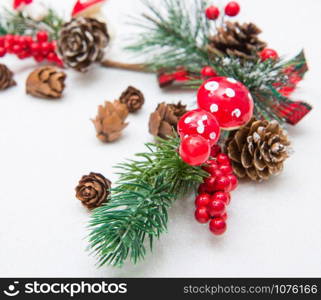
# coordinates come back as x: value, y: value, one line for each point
x: 138, y: 207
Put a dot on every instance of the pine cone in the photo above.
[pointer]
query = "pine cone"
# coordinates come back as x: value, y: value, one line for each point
x: 82, y: 41
x: 239, y: 40
x: 258, y: 150
x: 6, y: 77
x: 93, y: 190
x: 165, y: 119
x: 110, y: 121
x: 133, y: 98
x: 46, y: 82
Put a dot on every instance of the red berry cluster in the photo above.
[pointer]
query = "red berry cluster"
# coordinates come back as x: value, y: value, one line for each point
x: 25, y: 46
x: 232, y: 9
x: 214, y: 194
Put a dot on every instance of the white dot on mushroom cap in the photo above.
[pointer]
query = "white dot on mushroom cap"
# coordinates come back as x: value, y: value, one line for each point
x: 200, y: 123
x: 188, y: 120
x: 231, y: 80
x: 236, y: 112
x: 204, y: 118
x: 214, y: 108
x: 200, y: 129
x: 230, y: 92
x: 212, y: 135
x: 212, y: 86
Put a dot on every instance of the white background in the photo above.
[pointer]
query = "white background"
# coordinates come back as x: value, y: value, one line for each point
x: 274, y: 228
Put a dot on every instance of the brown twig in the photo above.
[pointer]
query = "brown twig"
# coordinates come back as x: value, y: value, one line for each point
x: 125, y: 66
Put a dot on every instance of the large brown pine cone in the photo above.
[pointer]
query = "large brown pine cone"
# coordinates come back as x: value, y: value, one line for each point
x: 6, y: 77
x: 82, y: 42
x: 163, y: 121
x: 258, y: 150
x: 133, y: 98
x: 110, y: 121
x: 93, y: 190
x: 239, y: 40
x: 46, y: 82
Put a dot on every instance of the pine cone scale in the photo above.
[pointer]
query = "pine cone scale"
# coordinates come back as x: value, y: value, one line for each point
x: 6, y: 77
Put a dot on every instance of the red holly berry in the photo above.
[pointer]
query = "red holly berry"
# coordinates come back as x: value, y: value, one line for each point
x: 221, y: 196
x: 211, y: 166
x: 226, y: 169
x: 234, y: 181
x: 216, y: 149
x: 208, y: 72
x: 217, y: 226
x: 2, y: 39
x: 228, y: 100
x: 209, y: 184
x: 16, y: 49
x: 35, y: 48
x: 202, y: 200
x: 212, y: 12
x: 232, y: 9
x: 268, y: 54
x: 42, y: 36
x: 201, y: 215
x: 39, y: 58
x: 224, y: 216
x: 199, y: 122
x: 3, y: 51
x: 217, y: 173
x: 202, y: 188
x: 45, y: 47
x: 194, y: 150
x: 222, y: 183
x: 223, y: 159
x: 216, y: 208
x: 23, y: 54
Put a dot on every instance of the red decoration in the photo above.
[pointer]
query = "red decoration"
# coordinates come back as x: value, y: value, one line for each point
x: 202, y: 200
x: 268, y: 54
x: 217, y: 226
x: 221, y: 196
x: 232, y: 9
x: 199, y: 122
x: 216, y: 208
x: 3, y: 51
x: 228, y: 100
x: 222, y: 183
x: 212, y: 12
x: 194, y: 150
x: 86, y: 7
x: 42, y: 36
x: 201, y: 215
x: 293, y: 112
x: 18, y: 3
x: 208, y: 72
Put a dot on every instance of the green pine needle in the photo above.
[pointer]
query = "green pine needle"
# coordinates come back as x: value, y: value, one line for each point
x: 138, y: 208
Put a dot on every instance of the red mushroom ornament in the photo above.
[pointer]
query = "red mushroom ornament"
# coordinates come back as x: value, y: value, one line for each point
x: 87, y: 8
x: 17, y: 4
x: 199, y: 122
x: 228, y: 100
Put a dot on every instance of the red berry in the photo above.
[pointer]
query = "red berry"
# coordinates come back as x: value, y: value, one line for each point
x: 45, y: 47
x: 222, y: 183
x: 16, y: 49
x: 9, y: 40
x: 35, y: 48
x: 39, y: 58
x: 23, y: 54
x: 202, y: 200
x: 194, y: 150
x: 208, y: 72
x: 224, y: 216
x: 217, y: 226
x: 52, y: 56
x: 216, y: 208
x: 232, y: 9
x: 268, y: 54
x: 234, y: 181
x: 42, y: 36
x: 3, y: 51
x: 216, y: 149
x: 221, y: 196
x: 211, y: 166
x: 212, y: 12
x: 217, y: 173
x: 201, y: 215
x: 202, y: 188
x: 223, y: 159
x: 209, y: 183
x: 226, y: 169
x: 2, y: 39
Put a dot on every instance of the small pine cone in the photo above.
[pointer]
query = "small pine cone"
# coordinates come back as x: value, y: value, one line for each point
x: 163, y: 121
x: 6, y: 77
x: 46, y: 82
x: 93, y: 190
x: 110, y: 121
x: 82, y: 42
x: 133, y: 98
x: 258, y: 150
x: 239, y: 40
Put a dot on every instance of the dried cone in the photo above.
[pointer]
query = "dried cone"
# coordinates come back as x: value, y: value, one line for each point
x: 46, y: 82
x: 258, y: 150
x: 165, y: 119
x: 6, y: 77
x: 133, y: 98
x: 82, y: 42
x: 239, y: 40
x: 110, y: 121
x: 93, y: 190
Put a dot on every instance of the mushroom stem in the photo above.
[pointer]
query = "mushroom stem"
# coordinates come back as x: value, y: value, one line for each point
x: 125, y: 66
